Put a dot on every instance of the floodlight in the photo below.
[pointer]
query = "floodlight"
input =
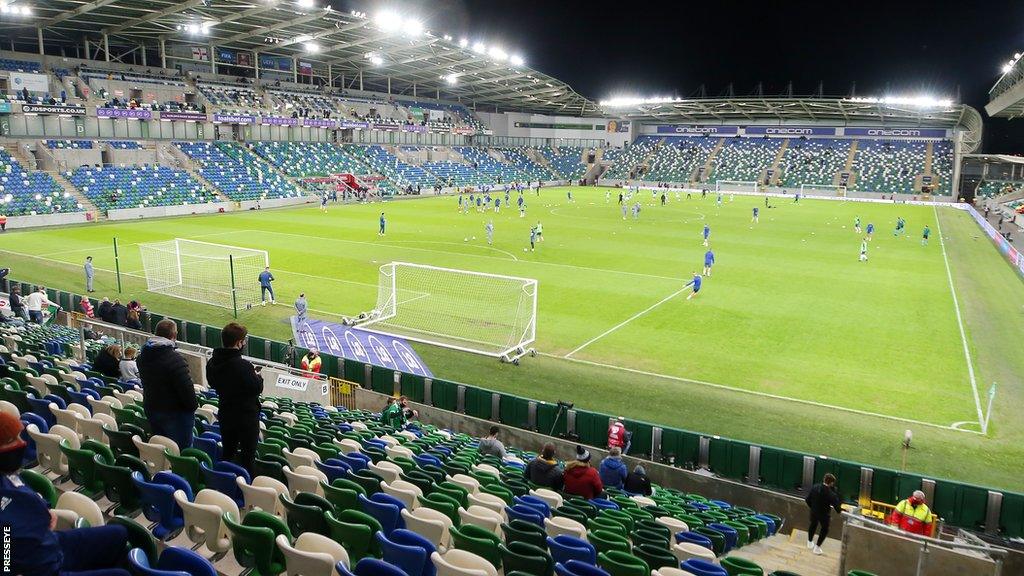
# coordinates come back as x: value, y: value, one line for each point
x: 448, y: 38
x: 4, y: 9
x: 413, y: 27
x: 463, y: 43
x: 497, y: 53
x: 479, y: 48
x: 1016, y: 55
x: 517, y: 60
x: 303, y: 38
x: 1007, y: 68
x: 304, y: 3
x: 629, y: 101
x: 451, y: 78
x: 26, y: 11
x: 311, y: 47
x: 193, y: 28
x: 376, y: 60
x: 388, y: 21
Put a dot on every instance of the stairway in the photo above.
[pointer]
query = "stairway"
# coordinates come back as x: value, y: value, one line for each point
x: 68, y: 187
x: 848, y: 168
x: 789, y: 552
x: 776, y: 176
x: 539, y: 158
x: 172, y: 156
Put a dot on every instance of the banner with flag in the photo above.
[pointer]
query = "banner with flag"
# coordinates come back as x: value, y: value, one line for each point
x: 305, y: 68
x: 200, y: 53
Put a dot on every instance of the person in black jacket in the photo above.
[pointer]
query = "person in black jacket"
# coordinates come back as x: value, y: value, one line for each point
x: 119, y: 313
x: 238, y: 388
x: 18, y: 304
x: 820, y: 500
x: 637, y: 482
x: 169, y: 399
x: 104, y: 309
x: 108, y: 361
x: 544, y: 470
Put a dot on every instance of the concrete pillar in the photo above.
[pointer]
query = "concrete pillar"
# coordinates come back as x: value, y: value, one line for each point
x: 330, y: 76
x: 213, y: 58
x: 438, y: 94
x: 413, y: 89
x: 295, y: 69
x: 85, y: 44
x: 163, y: 53
x: 39, y: 38
x: 256, y: 63
x: 360, y: 79
x: 106, y: 48
x: 389, y: 84
x: 142, y: 48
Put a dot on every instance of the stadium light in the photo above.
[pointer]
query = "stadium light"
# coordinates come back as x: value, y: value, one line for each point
x: 517, y: 60
x: 376, y: 60
x: 479, y: 48
x: 452, y: 78
x: 630, y: 101
x: 305, y: 3
x: 463, y: 43
x: 311, y: 47
x: 388, y: 21
x: 498, y: 54
x: 1007, y: 67
x: 916, y: 101
x: 413, y: 27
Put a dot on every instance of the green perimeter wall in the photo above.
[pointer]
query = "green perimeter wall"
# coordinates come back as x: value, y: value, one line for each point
x: 959, y: 504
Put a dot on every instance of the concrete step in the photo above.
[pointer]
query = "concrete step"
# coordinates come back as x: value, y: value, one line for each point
x: 789, y: 552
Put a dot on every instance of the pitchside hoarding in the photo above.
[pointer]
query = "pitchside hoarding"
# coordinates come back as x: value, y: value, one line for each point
x: 789, y: 131
x: 234, y: 118
x: 136, y: 113
x: 798, y: 131
x: 896, y: 132
x: 186, y: 116
x: 361, y: 345
x: 698, y: 130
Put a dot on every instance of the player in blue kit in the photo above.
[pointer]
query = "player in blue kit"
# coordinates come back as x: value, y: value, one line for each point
x: 707, y: 233
x: 696, y: 282
x: 870, y: 230
x: 323, y: 203
x: 754, y: 219
x: 383, y: 224
x: 709, y: 261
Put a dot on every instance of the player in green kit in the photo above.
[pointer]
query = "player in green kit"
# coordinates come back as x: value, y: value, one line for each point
x: 856, y: 224
x: 863, y: 250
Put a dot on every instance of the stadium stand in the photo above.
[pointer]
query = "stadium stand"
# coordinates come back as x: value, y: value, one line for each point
x: 744, y: 159
x: 993, y: 188
x: 124, y: 144
x: 400, y: 173
x: 12, y: 65
x: 627, y: 162
x: 677, y: 159
x: 111, y: 187
x: 813, y: 161
x: 238, y: 173
x: 311, y: 158
x: 230, y: 96
x: 69, y: 144
x: 566, y: 160
x: 529, y: 169
x: 889, y: 166
x: 295, y: 102
x: 26, y: 193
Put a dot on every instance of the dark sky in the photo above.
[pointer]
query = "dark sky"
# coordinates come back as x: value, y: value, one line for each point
x: 670, y: 48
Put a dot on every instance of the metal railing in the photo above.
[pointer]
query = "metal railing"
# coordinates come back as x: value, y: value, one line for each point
x: 926, y: 544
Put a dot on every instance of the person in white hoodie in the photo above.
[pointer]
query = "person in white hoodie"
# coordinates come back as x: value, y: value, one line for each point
x: 35, y: 303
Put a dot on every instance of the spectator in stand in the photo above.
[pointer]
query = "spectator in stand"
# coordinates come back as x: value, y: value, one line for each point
x: 103, y: 310
x: 86, y: 307
x: 913, y: 515
x: 133, y: 320
x: 580, y: 477
x: 618, y: 436
x: 394, y: 414
x: 491, y: 445
x: 129, y: 369
x: 36, y: 302
x: 119, y: 313
x: 638, y: 483
x: 238, y: 386
x: 821, y: 499
x: 544, y: 470
x: 33, y: 547
x: 108, y: 361
x: 18, y: 304
x: 612, y: 469
x: 169, y: 398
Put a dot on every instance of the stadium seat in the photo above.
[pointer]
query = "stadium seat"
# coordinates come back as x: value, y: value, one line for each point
x: 311, y: 555
x: 173, y: 562
x: 462, y: 563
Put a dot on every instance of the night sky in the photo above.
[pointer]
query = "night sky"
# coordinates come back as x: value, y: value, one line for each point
x: 604, y: 49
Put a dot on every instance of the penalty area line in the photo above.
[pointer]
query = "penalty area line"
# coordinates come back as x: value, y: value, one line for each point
x: 765, y: 394
x: 626, y: 321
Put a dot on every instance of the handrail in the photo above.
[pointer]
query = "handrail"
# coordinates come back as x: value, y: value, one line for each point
x: 876, y: 526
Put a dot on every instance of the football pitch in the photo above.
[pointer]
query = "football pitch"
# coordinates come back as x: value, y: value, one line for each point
x: 791, y: 342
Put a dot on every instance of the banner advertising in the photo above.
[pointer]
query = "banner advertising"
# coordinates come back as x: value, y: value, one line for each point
x: 137, y: 113
x: 34, y: 82
x: 244, y: 59
x: 464, y: 131
x: 897, y: 132
x: 200, y: 53
x: 385, y: 127
x: 354, y: 125
x: 305, y: 69
x: 276, y: 63
x: 413, y: 128
x: 277, y: 121
x: 359, y: 345
x: 417, y: 113
x: 234, y: 118
x: 698, y: 129
x: 67, y: 109
x: 319, y: 123
x: 618, y: 126
x: 5, y: 107
x: 186, y: 116
x: 225, y: 55
x: 789, y: 131
x: 1012, y: 254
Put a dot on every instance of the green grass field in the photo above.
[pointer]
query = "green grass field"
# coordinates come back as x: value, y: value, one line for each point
x: 792, y: 342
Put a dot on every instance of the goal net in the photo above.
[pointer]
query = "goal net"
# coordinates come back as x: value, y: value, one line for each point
x: 470, y: 311
x: 737, y: 186
x: 217, y: 274
x: 822, y: 190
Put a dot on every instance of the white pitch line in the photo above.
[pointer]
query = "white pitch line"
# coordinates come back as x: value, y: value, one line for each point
x: 626, y: 321
x: 761, y: 394
x: 392, y: 242
x: 959, y: 321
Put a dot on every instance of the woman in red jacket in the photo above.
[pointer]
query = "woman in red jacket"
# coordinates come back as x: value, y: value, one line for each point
x: 580, y: 478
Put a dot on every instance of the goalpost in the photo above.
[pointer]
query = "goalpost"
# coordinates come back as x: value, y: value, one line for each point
x: 216, y: 274
x: 474, y: 312
x: 822, y: 190
x: 737, y: 186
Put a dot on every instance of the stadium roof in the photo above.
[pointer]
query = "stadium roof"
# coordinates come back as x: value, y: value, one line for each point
x: 345, y: 41
x: 1006, y: 97
x: 795, y: 109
